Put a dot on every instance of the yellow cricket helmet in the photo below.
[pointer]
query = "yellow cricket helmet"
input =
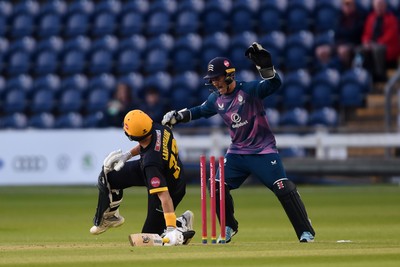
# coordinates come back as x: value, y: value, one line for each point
x: 137, y: 125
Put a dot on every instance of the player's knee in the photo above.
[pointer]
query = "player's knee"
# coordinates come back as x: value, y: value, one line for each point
x: 283, y: 187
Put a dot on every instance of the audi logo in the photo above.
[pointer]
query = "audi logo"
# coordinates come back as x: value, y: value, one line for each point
x: 35, y: 163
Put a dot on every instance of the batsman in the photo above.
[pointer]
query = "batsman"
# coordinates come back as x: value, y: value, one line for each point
x: 253, y: 148
x: 159, y: 169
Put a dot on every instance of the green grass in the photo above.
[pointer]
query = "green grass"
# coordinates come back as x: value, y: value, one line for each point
x: 49, y: 226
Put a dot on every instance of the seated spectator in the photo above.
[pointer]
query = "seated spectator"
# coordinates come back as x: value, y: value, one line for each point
x: 380, y: 40
x: 348, y: 33
x: 153, y: 104
x: 119, y: 105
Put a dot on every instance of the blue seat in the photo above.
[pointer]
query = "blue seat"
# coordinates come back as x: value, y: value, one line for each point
x: 246, y: 75
x: 357, y: 76
x: 301, y: 77
x: 326, y: 116
x: 135, y: 41
x: 22, y: 25
x: 77, y: 81
x: 77, y: 43
x: 270, y: 17
x: 194, y: 5
x: 2, y: 87
x: 18, y: 63
x: 103, y: 81
x: 160, y: 80
x: 216, y: 11
x: 351, y: 95
x: 156, y: 60
x: 214, y: 45
x: 46, y: 62
x: 322, y: 95
x: 5, y: 14
x: 294, y: 117
x: 243, y: 16
x: 76, y: 24
x: 43, y: 120
x: 238, y: 44
x: 141, y: 6
x: 73, y: 62
x: 97, y: 100
x: 134, y: 80
x: 22, y: 82
x: 186, y: 52
x: 85, y: 6
x: 27, y: 7
x: 181, y: 98
x: 50, y: 82
x: 162, y: 41
x: 298, y: 17
x: 187, y: 21
x: 93, y: 120
x: 70, y: 101
x: 14, y: 121
x: 43, y: 101
x: 101, y: 61
x: 273, y: 116
x: 298, y: 50
x: 158, y: 22
x: 58, y: 7
x: 104, y: 23
x: 15, y: 101
x: 128, y: 60
x: 132, y: 22
x: 49, y: 24
x: 324, y: 16
x: 274, y: 42
x: 330, y: 77
x: 54, y: 43
x: 294, y: 96
x: 189, y: 80
x: 72, y: 120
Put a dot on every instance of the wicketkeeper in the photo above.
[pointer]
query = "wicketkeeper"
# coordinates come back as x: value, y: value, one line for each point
x: 159, y: 169
x: 253, y: 149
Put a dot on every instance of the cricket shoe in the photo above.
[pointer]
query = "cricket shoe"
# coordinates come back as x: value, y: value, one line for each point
x: 114, y: 220
x: 306, y: 237
x: 229, y: 233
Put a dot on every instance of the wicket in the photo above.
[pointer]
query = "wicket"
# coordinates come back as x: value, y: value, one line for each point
x: 213, y: 214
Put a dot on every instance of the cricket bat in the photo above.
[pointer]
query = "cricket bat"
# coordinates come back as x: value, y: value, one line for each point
x: 146, y: 240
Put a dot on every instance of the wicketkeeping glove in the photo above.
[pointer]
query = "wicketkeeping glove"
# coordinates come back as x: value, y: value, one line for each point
x: 173, y: 237
x: 262, y: 59
x: 173, y: 117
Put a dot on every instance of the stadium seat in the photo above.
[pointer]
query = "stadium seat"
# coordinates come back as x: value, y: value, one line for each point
x: 274, y: 42
x: 322, y: 95
x: 324, y: 16
x: 156, y: 60
x: 101, y: 61
x: 73, y: 62
x: 294, y: 96
x: 214, y: 45
x: 187, y: 21
x: 93, y: 120
x: 43, y: 101
x: 5, y: 14
x: 243, y: 16
x: 46, y: 62
x: 135, y: 81
x: 135, y: 41
x: 72, y: 120
x: 128, y: 60
x: 325, y: 116
x: 2, y: 88
x: 54, y: 43
x: 301, y: 77
x: 50, y: 82
x: 15, y: 101
x: 294, y: 117
x: 158, y: 22
x: 217, y: 10
x: 70, y: 101
x: 298, y: 17
x: 18, y: 63
x: 97, y: 100
x: 238, y: 44
x: 298, y: 50
x: 14, y: 121
x: 189, y: 80
x: 104, y: 81
x: 181, y: 98
x: 358, y: 76
x: 186, y: 52
x: 162, y: 41
x: 76, y: 24
x: 160, y: 80
x: 331, y: 77
x: 104, y: 23
x: 270, y: 17
x: 43, y: 120
x: 273, y: 116
x: 49, y: 24
x: 132, y: 22
x: 22, y: 25
x: 141, y: 6
x: 351, y: 95
x: 21, y: 82
x: 77, y: 81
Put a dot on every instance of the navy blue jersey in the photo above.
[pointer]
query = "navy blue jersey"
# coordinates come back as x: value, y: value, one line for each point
x: 244, y: 114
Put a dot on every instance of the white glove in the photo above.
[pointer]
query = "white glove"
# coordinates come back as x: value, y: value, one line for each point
x: 169, y: 118
x: 122, y: 159
x: 110, y: 161
x: 173, y: 237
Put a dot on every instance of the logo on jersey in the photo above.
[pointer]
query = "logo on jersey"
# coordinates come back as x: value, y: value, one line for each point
x: 155, y: 182
x: 237, y: 121
x: 241, y: 100
x: 273, y: 162
x: 280, y: 185
x: 220, y: 106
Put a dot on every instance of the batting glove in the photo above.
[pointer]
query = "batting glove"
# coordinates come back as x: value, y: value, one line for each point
x: 173, y: 237
x: 110, y: 161
x: 262, y: 59
x: 122, y: 159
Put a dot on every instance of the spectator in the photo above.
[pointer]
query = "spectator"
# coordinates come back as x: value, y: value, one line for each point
x: 380, y: 40
x: 122, y: 102
x: 348, y: 33
x: 153, y: 104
